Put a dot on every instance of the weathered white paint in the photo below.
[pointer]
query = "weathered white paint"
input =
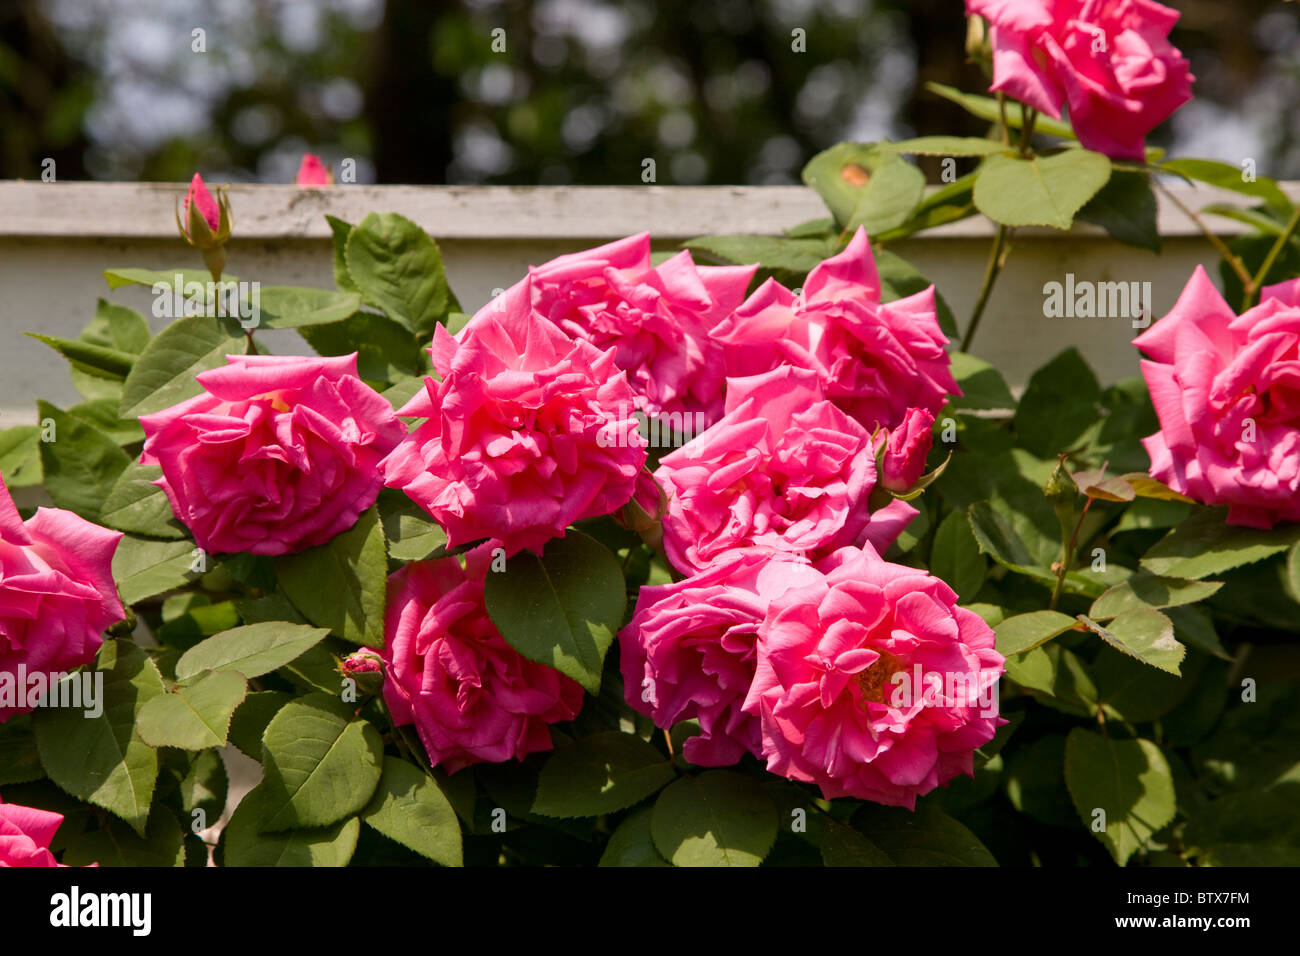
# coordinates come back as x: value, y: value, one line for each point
x: 56, y: 239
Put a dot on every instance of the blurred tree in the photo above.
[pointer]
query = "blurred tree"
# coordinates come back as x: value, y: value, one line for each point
x: 564, y: 90
x: 43, y: 95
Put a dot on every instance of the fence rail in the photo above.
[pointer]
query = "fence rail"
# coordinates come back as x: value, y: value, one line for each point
x: 57, y: 238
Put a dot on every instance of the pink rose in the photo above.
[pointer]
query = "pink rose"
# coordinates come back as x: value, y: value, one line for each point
x: 785, y: 470
x: 471, y: 696
x: 656, y: 318
x: 875, y: 361
x: 200, y: 196
x: 312, y: 172
x: 906, y: 449
x: 690, y: 649
x: 528, y: 431
x: 872, y: 683
x: 25, y: 835
x: 56, y: 597
x: 1226, y: 389
x: 280, y: 453
x: 1109, y: 61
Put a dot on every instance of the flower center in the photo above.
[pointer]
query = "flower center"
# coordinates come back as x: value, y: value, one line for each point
x: 872, y: 681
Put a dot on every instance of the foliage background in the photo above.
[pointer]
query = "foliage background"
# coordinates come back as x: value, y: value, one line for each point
x: 585, y: 90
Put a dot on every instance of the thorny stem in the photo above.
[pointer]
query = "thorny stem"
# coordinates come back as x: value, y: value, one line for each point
x: 1252, y: 287
x: 996, y: 258
x: 1227, y: 254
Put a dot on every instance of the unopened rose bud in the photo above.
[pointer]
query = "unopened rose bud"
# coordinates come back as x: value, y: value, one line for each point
x: 207, y: 224
x: 906, y: 450
x: 647, y: 507
x: 367, y: 669
x: 312, y: 172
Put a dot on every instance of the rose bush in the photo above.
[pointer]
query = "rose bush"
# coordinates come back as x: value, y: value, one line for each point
x: 882, y: 610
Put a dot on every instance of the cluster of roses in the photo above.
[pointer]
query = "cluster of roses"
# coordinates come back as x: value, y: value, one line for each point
x: 784, y: 636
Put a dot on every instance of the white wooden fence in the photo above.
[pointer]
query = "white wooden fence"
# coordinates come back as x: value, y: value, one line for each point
x: 57, y: 238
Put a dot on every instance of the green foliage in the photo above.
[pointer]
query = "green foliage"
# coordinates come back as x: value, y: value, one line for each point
x: 563, y: 608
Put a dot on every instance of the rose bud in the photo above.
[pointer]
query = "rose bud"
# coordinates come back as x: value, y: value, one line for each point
x: 906, y: 449
x: 367, y: 669
x: 207, y: 224
x: 312, y: 172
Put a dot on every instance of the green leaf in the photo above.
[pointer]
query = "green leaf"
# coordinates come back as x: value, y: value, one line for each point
x: 20, y: 761
x: 117, y: 327
x: 1256, y: 828
x: 1204, y: 545
x: 251, y: 650
x: 1132, y: 691
x: 946, y: 146
x: 1040, y: 191
x: 1010, y: 538
x: 398, y: 269
x: 1033, y: 779
x: 1129, y: 780
x: 164, y: 374
x: 340, y: 230
x: 342, y: 585
x: 251, y: 717
x: 410, y: 808
x: 137, y: 505
x: 412, y: 535
x: 143, y: 568
x: 718, y: 818
x: 289, y: 307
x: 96, y: 360
x: 205, y: 785
x: 600, y: 774
x: 20, y: 456
x: 1227, y: 176
x: 320, y: 764
x: 844, y: 846
x: 926, y: 837
x: 386, y: 352
x: 863, y: 185
x: 102, y: 759
x: 101, y: 413
x: 150, y: 277
x: 1024, y: 632
x: 796, y: 257
x: 1126, y: 208
x: 986, y: 109
x: 1054, y: 671
x: 1143, y: 633
x: 161, y: 844
x: 1058, y: 405
x: 195, y: 715
x: 80, y: 465
x: 982, y: 386
x: 1257, y: 217
x: 956, y: 558
x: 1149, y: 590
x: 561, y: 609
x: 632, y: 844
x: 244, y: 845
